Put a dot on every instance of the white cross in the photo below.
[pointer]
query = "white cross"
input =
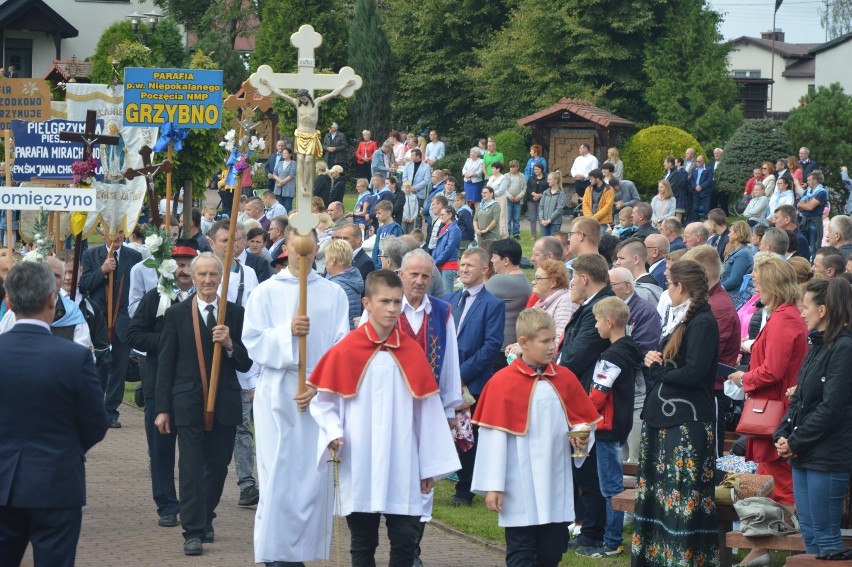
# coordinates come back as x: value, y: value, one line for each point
x: 266, y: 81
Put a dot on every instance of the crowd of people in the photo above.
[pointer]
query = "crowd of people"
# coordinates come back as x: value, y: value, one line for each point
x: 430, y: 352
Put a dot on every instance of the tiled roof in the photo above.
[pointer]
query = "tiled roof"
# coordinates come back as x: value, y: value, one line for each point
x: 582, y: 108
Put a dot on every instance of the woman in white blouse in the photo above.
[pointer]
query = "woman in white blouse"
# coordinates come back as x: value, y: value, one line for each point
x: 500, y: 183
x: 474, y: 176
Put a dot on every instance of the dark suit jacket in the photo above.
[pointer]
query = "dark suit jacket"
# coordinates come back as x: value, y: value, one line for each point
x: 341, y: 145
x: 719, y: 242
x: 269, y: 167
x: 706, y: 180
x: 338, y: 189
x: 260, y: 266
x: 51, y: 413
x: 363, y: 263
x: 322, y: 188
x: 144, y: 335
x: 659, y: 274
x: 676, y: 244
x: 93, y: 284
x: 678, y: 181
x: 178, y: 377
x: 480, y: 337
x: 275, y: 251
x: 581, y: 343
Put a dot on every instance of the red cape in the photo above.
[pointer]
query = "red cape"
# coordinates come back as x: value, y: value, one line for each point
x: 343, y: 367
x: 505, y: 401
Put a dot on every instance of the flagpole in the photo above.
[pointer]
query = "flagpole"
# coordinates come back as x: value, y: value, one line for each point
x: 772, y: 71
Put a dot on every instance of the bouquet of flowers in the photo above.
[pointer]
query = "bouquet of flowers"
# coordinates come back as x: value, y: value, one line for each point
x: 242, y: 159
x: 83, y: 172
x: 42, y: 241
x: 159, y: 243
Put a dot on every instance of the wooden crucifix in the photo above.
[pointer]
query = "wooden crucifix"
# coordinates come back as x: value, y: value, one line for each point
x: 88, y: 137
x: 245, y: 106
x: 308, y: 146
x: 149, y: 170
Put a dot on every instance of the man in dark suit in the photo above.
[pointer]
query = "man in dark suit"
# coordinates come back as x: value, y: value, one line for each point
x: 260, y: 265
x: 181, y: 385
x: 195, y: 231
x: 51, y: 413
x: 360, y: 259
x: 581, y: 348
x: 270, y: 164
x: 701, y: 186
x: 334, y: 145
x: 480, y: 318
x: 144, y: 335
x: 97, y: 264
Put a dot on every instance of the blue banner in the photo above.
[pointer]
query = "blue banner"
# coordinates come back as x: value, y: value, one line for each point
x: 40, y: 153
x: 188, y: 98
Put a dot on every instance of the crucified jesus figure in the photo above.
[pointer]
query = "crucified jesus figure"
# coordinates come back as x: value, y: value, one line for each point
x: 308, y: 138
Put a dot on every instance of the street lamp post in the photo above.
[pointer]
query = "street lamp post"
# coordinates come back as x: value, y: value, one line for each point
x: 150, y: 18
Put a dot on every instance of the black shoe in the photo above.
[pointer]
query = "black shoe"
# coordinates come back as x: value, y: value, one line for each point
x: 209, y: 535
x: 114, y: 423
x: 192, y: 546
x: 583, y: 541
x: 168, y: 521
x: 249, y: 496
x: 459, y: 501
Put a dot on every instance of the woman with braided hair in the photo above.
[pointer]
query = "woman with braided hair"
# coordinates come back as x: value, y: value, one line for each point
x: 675, y: 518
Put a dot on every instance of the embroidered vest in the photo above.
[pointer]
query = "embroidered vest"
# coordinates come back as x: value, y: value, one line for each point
x: 432, y: 336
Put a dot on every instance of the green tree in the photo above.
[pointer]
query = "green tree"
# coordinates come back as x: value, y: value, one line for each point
x: 226, y: 58
x: 688, y: 82
x: 753, y: 142
x: 434, y: 45
x: 224, y: 17
x: 111, y: 38
x: 370, y: 56
x: 836, y: 17
x: 645, y: 151
x: 590, y: 49
x: 823, y: 124
x: 282, y: 18
x: 166, y: 44
x: 161, y: 48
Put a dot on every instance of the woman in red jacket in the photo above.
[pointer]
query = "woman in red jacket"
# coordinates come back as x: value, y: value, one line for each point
x: 776, y: 357
x: 364, y: 154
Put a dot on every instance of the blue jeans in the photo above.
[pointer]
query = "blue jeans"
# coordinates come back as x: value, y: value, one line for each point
x: 813, y: 233
x: 244, y: 446
x: 610, y: 473
x: 449, y: 279
x: 550, y: 229
x: 819, y: 503
x: 513, y: 213
x: 161, y: 451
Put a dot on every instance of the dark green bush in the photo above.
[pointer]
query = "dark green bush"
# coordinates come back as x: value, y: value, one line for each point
x: 754, y: 142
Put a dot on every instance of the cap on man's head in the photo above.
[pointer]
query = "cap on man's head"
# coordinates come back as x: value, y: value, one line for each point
x: 185, y: 248
x: 281, y: 259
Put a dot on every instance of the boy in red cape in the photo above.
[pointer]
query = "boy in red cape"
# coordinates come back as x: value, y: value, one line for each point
x: 523, y: 466
x: 377, y: 406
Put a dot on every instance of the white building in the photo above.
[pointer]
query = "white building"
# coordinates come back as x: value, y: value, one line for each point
x: 33, y: 33
x: 752, y: 58
x: 832, y: 63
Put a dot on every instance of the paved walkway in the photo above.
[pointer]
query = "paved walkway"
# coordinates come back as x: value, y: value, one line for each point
x: 120, y: 522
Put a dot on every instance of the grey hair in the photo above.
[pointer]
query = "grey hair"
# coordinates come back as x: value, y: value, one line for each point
x: 842, y: 224
x: 29, y: 286
x: 626, y: 275
x: 207, y: 255
x: 776, y: 239
x: 395, y: 249
x: 417, y: 253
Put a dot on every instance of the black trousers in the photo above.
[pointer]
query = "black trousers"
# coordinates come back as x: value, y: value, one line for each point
x: 467, y: 460
x: 723, y: 414
x: 203, y: 467
x: 593, y: 503
x: 402, y: 534
x: 536, y: 546
x: 53, y: 533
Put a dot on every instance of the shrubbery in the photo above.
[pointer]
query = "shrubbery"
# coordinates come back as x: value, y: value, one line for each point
x: 512, y: 142
x: 644, y: 153
x: 754, y: 142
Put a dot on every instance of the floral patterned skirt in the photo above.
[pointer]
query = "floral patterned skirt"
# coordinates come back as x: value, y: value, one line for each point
x: 675, y: 518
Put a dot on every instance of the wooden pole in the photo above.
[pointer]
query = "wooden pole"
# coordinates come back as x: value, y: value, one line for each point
x: 110, y: 284
x: 303, y: 246
x: 210, y: 406
x: 10, y: 232
x: 57, y: 231
x: 78, y: 243
x: 169, y: 192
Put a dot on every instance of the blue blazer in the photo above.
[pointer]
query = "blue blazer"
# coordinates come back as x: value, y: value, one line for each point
x: 51, y: 413
x: 659, y: 274
x: 420, y: 180
x: 447, y: 246
x: 480, y: 337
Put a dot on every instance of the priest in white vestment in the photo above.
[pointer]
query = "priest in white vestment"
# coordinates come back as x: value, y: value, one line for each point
x: 293, y: 519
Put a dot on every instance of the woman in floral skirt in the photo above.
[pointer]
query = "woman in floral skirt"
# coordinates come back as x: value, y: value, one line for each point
x: 675, y: 517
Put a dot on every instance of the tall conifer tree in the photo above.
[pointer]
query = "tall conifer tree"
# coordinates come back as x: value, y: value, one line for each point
x: 370, y: 56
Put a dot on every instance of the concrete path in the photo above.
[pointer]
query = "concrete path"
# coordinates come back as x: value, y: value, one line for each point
x: 120, y: 521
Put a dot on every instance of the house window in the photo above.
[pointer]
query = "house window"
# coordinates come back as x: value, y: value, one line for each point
x: 746, y: 74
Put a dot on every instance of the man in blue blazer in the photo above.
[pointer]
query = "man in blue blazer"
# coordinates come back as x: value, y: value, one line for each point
x: 419, y: 174
x: 51, y: 413
x: 701, y: 186
x: 270, y: 164
x: 480, y: 318
x: 97, y: 264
